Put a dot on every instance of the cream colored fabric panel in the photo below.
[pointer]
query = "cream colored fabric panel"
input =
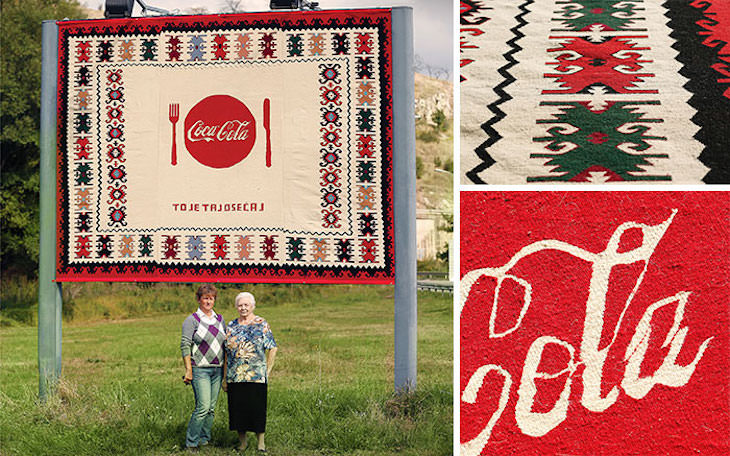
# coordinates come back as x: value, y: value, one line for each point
x: 288, y: 189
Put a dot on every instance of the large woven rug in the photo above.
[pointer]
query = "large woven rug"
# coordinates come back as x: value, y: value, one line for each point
x: 253, y: 147
x: 595, y: 91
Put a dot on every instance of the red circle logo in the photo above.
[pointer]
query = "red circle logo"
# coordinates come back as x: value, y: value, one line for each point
x: 219, y: 131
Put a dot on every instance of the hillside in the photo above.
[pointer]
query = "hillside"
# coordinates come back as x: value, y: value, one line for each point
x: 434, y: 143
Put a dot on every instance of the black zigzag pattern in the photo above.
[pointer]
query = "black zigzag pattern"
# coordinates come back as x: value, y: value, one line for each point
x: 487, y: 126
x: 713, y: 108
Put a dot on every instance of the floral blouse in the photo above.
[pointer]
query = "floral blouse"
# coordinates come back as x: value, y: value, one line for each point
x: 246, y: 347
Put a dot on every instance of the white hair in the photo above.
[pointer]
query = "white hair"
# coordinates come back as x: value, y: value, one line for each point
x: 244, y: 294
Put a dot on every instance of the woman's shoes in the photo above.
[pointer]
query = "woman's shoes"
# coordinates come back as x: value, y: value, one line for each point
x: 239, y: 450
x: 242, y: 450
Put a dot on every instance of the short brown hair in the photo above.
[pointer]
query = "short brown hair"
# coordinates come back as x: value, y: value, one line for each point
x: 205, y: 289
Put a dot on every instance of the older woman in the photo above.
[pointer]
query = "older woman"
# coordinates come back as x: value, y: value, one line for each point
x: 203, y: 335
x: 250, y: 351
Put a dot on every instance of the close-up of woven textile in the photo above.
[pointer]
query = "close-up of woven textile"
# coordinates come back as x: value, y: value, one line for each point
x: 594, y: 323
x: 595, y: 91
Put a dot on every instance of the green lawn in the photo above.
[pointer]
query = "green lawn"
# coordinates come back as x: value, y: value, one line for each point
x: 331, y: 392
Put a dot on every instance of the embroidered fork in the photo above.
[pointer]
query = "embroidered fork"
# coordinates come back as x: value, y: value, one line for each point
x: 174, y: 117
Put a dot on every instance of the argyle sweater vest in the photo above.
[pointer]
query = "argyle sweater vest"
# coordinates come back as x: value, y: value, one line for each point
x: 208, y: 338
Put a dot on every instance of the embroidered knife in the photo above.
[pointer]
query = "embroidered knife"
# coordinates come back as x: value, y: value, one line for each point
x: 267, y: 127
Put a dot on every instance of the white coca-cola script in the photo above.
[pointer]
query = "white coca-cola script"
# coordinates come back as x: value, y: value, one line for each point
x: 589, y: 355
x: 231, y: 130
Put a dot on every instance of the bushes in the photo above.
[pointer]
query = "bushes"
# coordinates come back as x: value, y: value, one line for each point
x: 113, y: 301
x: 18, y: 302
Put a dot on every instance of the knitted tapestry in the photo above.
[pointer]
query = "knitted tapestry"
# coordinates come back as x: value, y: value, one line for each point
x: 595, y: 91
x: 253, y: 147
x: 595, y: 323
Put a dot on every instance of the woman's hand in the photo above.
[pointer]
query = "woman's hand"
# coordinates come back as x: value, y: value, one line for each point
x: 224, y: 386
x: 270, y: 357
x: 188, y: 377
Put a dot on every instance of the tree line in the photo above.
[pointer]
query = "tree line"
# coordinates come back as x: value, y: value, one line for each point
x: 20, y: 94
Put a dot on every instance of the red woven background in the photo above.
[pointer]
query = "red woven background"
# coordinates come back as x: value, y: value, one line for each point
x: 692, y: 256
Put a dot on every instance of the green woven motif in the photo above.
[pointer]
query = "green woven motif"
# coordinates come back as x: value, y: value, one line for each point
x: 149, y: 49
x: 583, y: 14
x: 583, y: 138
x: 295, y: 46
x: 365, y: 120
x: 83, y: 174
x: 145, y: 246
x: 295, y: 249
x: 365, y: 171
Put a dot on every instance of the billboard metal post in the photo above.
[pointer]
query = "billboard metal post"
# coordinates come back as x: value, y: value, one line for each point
x: 49, y: 292
x: 404, y: 190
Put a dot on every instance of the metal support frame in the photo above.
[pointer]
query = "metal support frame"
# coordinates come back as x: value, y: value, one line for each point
x: 49, y: 292
x: 404, y: 196
x: 154, y: 9
x: 302, y: 5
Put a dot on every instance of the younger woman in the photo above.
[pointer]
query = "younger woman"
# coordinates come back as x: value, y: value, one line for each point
x: 203, y: 335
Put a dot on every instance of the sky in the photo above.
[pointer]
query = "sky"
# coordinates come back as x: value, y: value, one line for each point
x: 432, y: 21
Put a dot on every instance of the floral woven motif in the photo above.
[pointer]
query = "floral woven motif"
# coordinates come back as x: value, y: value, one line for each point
x: 251, y: 147
x: 595, y: 91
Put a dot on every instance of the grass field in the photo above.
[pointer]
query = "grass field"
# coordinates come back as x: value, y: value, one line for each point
x: 331, y: 392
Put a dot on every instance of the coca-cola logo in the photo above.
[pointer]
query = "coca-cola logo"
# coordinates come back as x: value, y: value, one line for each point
x: 220, y: 131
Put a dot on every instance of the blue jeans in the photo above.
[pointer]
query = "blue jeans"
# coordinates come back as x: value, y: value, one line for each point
x: 206, y: 386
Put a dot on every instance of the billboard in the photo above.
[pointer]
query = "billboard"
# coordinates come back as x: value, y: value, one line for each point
x: 242, y: 148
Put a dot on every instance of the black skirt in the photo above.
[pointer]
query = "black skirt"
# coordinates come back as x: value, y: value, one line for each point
x: 247, y: 407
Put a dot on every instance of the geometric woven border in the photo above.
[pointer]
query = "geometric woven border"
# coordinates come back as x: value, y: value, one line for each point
x: 595, y: 92
x: 706, y: 60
